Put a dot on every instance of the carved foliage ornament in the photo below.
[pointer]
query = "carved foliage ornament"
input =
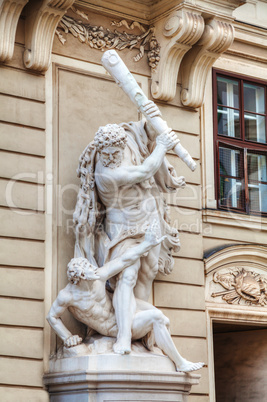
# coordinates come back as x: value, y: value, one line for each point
x: 98, y: 37
x: 242, y: 285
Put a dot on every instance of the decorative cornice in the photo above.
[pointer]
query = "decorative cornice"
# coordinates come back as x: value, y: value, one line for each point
x: 10, y: 11
x: 180, y: 31
x: 217, y: 38
x: 149, y: 11
x: 41, y: 21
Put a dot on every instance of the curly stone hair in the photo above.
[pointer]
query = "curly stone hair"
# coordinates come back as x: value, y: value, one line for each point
x: 110, y: 135
x: 76, y: 269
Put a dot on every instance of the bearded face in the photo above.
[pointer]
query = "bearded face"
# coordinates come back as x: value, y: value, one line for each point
x: 111, y: 157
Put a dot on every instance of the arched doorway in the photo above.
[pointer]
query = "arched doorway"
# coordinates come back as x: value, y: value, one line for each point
x: 236, y: 305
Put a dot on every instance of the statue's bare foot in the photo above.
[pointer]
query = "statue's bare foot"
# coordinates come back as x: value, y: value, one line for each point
x: 122, y: 347
x: 187, y: 366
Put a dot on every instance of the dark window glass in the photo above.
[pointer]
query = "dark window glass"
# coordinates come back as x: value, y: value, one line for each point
x: 227, y: 92
x: 254, y: 98
x: 241, y: 144
x: 229, y: 162
x: 231, y: 194
x: 255, y: 127
x: 228, y: 122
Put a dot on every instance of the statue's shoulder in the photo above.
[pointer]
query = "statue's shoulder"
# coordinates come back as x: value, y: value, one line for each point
x: 65, y: 296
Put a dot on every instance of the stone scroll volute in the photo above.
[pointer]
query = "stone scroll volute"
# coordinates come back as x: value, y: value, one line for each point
x: 178, y: 33
x: 217, y: 38
x: 41, y: 22
x: 9, y: 15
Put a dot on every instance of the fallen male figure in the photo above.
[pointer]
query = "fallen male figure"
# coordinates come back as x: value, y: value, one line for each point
x: 89, y: 302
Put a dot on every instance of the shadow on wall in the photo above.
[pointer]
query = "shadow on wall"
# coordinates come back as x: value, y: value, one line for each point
x: 240, y: 362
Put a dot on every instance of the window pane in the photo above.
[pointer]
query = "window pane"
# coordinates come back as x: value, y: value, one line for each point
x: 258, y: 197
x: 227, y: 92
x: 229, y: 162
x: 257, y: 169
x: 255, y: 127
x: 231, y: 194
x: 228, y: 122
x: 254, y: 98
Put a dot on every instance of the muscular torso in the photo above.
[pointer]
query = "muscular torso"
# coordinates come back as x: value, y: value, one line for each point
x: 94, y: 308
x: 126, y: 205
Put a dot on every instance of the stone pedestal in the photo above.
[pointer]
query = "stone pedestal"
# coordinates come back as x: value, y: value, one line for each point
x: 108, y: 377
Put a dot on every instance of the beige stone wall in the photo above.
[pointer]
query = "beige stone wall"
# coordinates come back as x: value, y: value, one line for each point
x: 22, y: 230
x: 180, y: 295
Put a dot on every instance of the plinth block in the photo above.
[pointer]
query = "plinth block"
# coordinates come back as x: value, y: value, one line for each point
x: 110, y: 378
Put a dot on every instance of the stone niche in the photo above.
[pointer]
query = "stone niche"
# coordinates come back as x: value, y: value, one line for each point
x: 102, y: 375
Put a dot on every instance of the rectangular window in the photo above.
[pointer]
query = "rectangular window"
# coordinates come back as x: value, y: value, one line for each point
x: 240, y: 127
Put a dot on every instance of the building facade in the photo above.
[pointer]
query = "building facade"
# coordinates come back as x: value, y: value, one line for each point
x: 204, y: 64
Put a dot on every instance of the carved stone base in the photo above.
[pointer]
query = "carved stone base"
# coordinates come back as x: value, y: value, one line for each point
x: 109, y: 377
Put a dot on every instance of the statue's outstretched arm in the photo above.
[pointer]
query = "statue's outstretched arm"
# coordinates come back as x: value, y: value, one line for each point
x: 59, y: 306
x: 117, y: 265
x: 127, y: 175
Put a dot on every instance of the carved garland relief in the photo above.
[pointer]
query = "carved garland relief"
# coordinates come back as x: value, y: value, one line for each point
x: 101, y: 38
x: 242, y: 287
x: 190, y: 42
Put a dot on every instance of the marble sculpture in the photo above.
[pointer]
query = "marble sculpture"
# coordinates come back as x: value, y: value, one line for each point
x: 123, y: 232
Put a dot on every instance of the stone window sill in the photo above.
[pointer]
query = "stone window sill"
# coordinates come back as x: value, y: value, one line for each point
x: 230, y: 218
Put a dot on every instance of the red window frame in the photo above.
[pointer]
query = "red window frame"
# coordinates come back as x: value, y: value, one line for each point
x: 241, y: 143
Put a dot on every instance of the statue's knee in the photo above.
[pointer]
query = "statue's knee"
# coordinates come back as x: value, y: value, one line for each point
x: 159, y: 317
x: 166, y: 321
